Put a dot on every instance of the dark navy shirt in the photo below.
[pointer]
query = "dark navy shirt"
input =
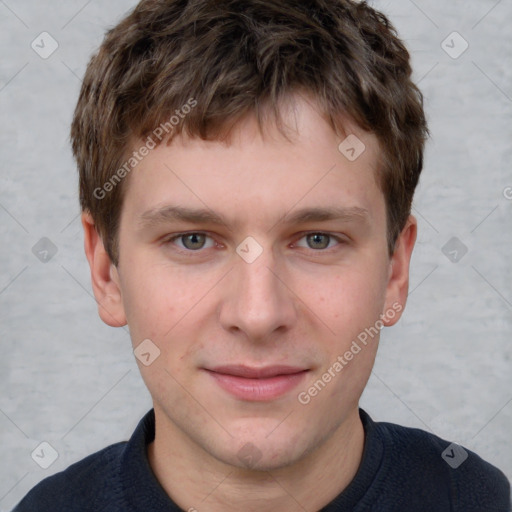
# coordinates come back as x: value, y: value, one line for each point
x: 402, y: 469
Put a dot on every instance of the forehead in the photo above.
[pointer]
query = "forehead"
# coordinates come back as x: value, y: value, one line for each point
x: 256, y: 171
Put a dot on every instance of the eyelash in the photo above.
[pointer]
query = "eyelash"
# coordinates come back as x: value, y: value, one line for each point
x: 340, y: 240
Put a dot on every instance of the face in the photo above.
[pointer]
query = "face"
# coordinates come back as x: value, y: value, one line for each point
x: 256, y: 268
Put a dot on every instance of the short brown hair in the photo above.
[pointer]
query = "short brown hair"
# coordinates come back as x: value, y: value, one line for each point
x: 232, y: 58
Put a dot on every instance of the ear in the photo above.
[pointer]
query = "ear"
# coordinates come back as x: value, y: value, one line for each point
x: 398, y: 282
x: 104, y: 276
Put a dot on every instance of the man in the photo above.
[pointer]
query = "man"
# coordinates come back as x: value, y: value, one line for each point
x: 246, y: 177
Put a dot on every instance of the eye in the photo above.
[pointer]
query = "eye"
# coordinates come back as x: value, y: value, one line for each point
x: 192, y: 241
x: 319, y: 241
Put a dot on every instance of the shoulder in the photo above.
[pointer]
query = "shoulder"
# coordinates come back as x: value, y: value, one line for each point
x: 428, y: 465
x: 88, y: 484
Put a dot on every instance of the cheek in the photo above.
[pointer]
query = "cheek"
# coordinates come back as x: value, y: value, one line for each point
x: 150, y: 299
x: 159, y: 304
x: 162, y: 300
x: 350, y: 305
x: 349, y: 301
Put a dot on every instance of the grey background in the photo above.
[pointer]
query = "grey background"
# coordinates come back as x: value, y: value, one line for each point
x: 69, y: 380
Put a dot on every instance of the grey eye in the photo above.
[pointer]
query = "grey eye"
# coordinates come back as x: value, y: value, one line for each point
x: 193, y: 241
x: 318, y: 240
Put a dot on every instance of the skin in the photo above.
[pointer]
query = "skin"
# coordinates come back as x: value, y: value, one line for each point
x: 298, y: 304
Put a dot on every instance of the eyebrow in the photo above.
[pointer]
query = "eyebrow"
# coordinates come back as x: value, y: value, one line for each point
x: 320, y: 214
x: 167, y: 214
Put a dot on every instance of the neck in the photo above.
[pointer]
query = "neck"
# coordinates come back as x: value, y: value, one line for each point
x: 213, y: 486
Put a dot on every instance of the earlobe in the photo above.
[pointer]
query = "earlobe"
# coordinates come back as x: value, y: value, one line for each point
x: 398, y: 282
x: 105, y: 282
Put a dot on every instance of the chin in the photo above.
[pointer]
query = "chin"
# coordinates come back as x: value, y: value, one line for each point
x: 263, y: 452
x: 251, y: 458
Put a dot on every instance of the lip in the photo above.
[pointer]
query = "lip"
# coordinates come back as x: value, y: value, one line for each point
x: 257, y: 384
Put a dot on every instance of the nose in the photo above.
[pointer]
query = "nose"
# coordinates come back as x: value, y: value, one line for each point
x: 257, y: 299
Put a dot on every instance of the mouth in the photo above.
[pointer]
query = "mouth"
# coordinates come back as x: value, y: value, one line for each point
x: 257, y: 384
